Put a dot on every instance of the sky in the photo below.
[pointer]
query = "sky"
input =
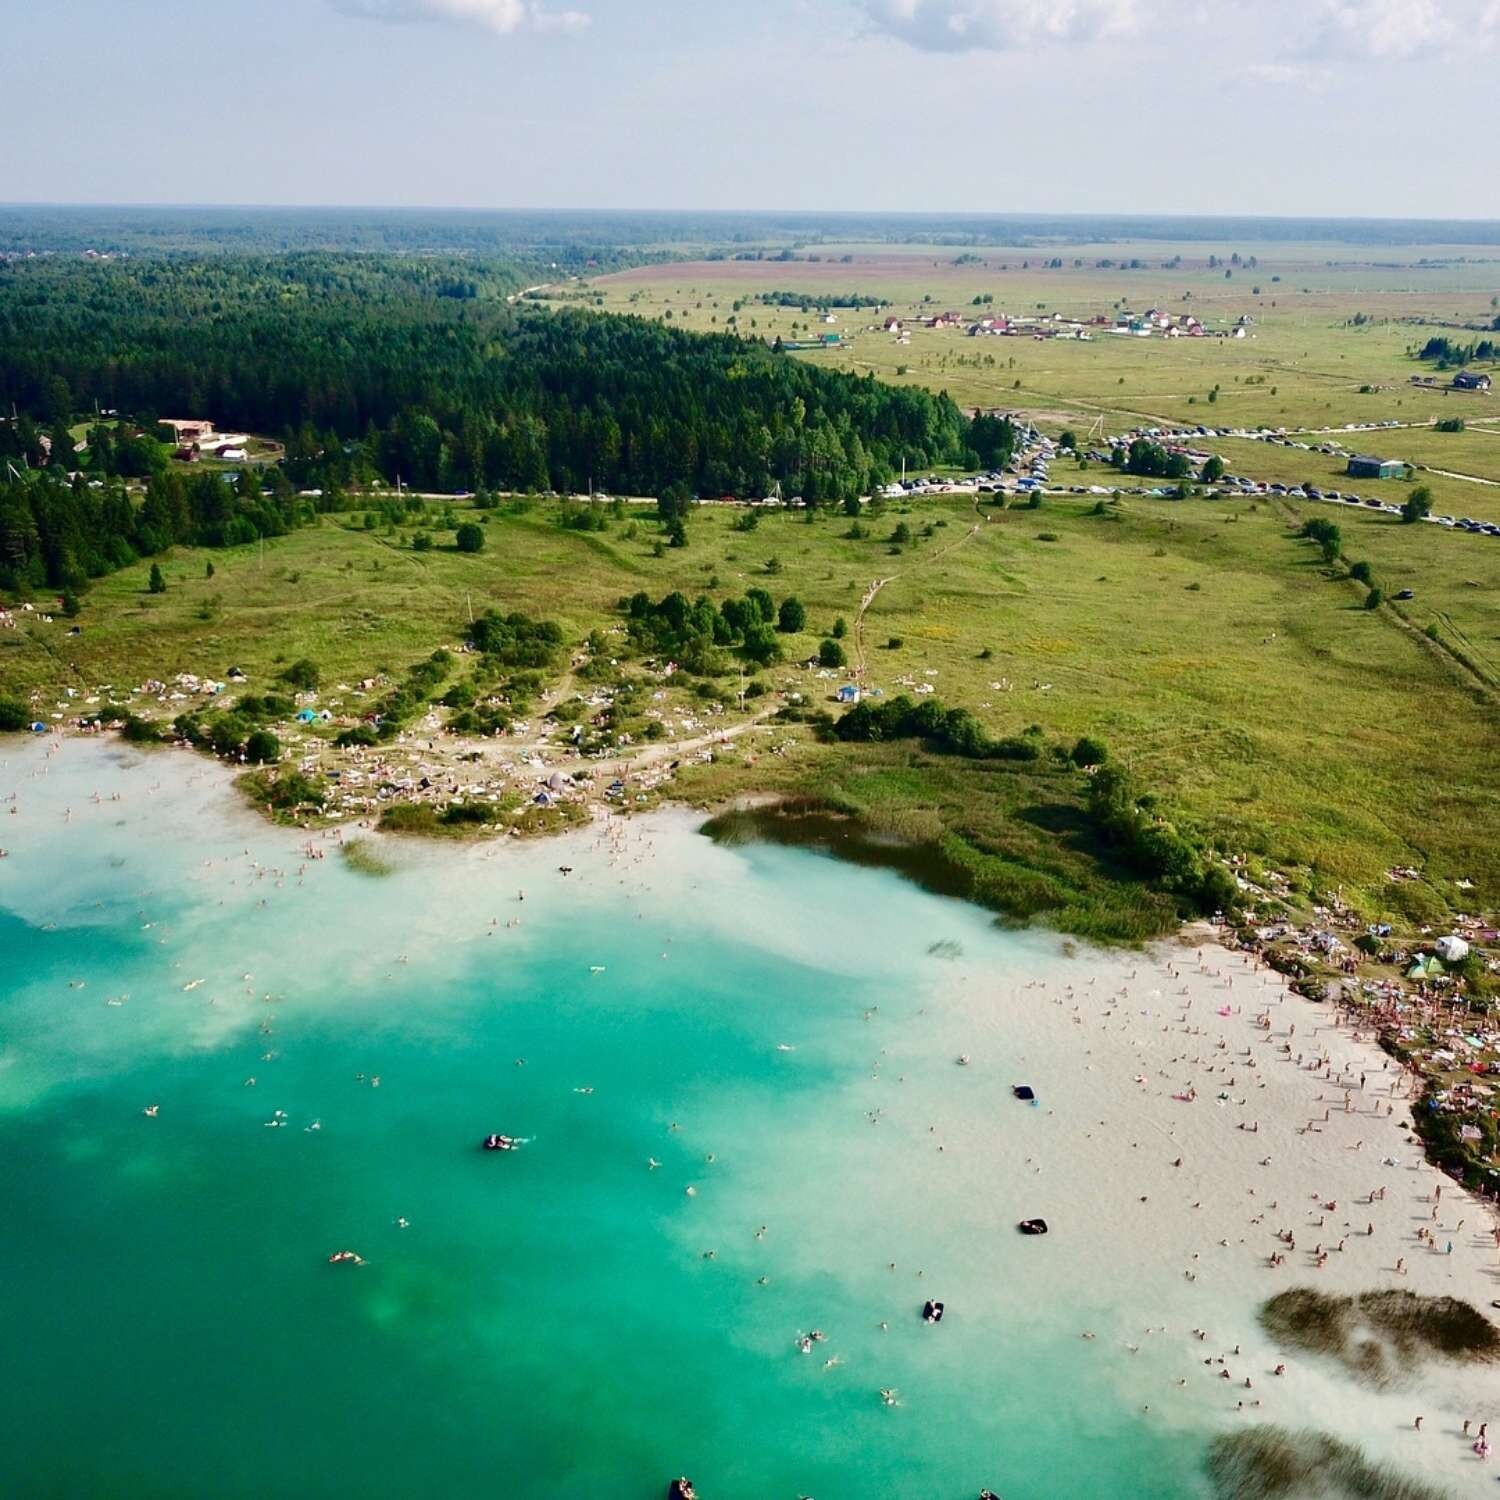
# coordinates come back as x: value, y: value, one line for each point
x: 1325, y: 107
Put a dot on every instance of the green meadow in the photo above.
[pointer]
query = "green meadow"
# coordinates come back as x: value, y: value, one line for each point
x: 1239, y: 677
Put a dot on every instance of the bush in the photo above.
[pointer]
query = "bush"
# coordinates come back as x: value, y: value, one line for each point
x: 791, y: 617
x: 1360, y: 572
x: 138, y: 731
x: 13, y: 715
x: 831, y: 654
x: 1088, y: 752
x: 515, y: 640
x: 262, y: 748
x: 469, y: 537
x: 895, y: 643
x: 1374, y: 599
x: 156, y: 584
x: 1416, y: 505
x: 302, y: 675
x: 1327, y: 535
x: 293, y: 789
x: 840, y: 629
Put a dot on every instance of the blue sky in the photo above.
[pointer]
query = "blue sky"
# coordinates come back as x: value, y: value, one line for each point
x: 1242, y: 106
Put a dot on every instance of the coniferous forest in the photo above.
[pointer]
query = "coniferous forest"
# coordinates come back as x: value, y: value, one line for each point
x: 420, y: 368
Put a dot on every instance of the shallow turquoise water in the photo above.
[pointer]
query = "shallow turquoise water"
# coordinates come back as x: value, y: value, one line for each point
x: 548, y: 1322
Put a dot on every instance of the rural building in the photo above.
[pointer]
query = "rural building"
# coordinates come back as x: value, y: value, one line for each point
x: 188, y: 430
x: 1468, y: 381
x: 1362, y: 466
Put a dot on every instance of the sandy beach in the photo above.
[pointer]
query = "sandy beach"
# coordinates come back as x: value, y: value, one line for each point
x: 1193, y: 1111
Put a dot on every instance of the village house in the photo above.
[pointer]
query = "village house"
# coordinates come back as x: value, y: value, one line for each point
x: 1469, y: 380
x: 187, y: 430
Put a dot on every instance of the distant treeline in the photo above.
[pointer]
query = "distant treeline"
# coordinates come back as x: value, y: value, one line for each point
x: 807, y: 302
x: 1447, y: 352
x: 572, y: 238
x: 420, y: 368
x: 544, y: 244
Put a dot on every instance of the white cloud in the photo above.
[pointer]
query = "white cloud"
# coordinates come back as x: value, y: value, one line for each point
x: 1289, y: 75
x: 500, y: 16
x: 560, y: 20
x: 972, y: 25
x: 1398, y: 30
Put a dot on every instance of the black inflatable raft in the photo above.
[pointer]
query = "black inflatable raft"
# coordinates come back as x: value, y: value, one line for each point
x: 932, y: 1312
x: 1024, y: 1091
x: 681, y: 1489
x: 1032, y: 1226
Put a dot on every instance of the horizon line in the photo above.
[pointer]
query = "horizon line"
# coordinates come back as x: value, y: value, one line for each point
x: 830, y: 213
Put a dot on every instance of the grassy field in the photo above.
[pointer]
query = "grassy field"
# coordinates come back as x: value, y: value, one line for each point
x: 1200, y: 639
x: 1304, y: 363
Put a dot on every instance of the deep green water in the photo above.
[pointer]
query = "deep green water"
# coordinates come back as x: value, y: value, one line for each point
x: 548, y: 1323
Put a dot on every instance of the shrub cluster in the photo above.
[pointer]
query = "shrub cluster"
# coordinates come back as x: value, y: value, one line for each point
x: 516, y: 640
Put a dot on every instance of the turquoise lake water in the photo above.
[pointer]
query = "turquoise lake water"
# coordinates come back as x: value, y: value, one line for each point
x: 549, y: 1321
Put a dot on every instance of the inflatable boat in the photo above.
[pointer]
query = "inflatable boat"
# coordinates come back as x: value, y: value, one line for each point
x: 1032, y: 1226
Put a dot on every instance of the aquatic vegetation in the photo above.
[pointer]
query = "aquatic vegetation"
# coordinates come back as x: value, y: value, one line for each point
x: 361, y: 855
x: 1272, y: 1463
x: 1380, y: 1334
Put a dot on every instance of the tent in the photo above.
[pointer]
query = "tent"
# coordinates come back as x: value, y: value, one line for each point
x: 308, y: 716
x: 1451, y: 949
x: 1426, y: 968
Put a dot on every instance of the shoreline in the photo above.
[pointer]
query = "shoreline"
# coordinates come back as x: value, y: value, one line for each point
x: 1174, y: 1140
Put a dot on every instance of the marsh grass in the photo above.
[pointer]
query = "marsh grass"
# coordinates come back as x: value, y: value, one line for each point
x: 362, y: 855
x: 1380, y: 1335
x: 1273, y: 1463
